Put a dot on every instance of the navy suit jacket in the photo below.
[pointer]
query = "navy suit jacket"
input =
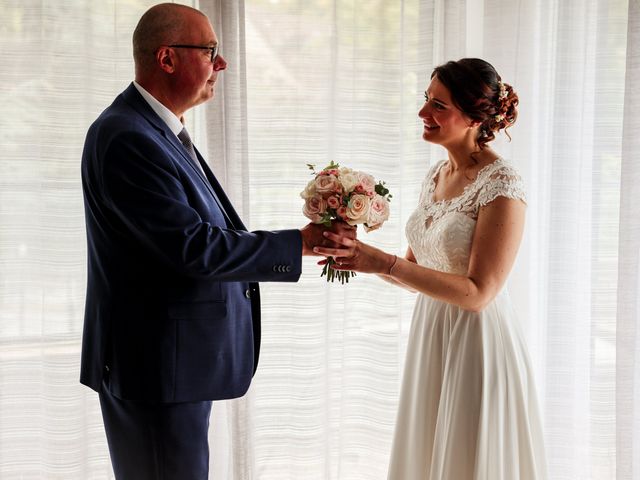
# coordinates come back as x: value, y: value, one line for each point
x: 172, y: 309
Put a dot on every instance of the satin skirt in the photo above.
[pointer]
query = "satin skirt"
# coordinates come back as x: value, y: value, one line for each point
x: 468, y: 406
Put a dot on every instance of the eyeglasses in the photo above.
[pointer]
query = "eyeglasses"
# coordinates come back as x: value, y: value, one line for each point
x: 214, y: 50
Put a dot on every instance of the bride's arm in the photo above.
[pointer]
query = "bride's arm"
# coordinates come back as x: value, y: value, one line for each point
x: 495, y: 244
x: 409, y: 257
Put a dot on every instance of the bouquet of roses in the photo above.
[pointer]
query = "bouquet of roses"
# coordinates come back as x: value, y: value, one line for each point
x: 342, y: 194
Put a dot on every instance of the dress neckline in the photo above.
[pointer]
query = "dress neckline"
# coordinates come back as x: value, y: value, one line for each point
x: 465, y: 190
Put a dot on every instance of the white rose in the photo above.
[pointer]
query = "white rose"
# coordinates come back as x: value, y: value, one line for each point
x: 358, y: 209
x: 349, y: 181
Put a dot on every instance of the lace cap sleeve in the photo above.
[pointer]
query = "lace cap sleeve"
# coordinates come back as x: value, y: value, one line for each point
x: 504, y: 181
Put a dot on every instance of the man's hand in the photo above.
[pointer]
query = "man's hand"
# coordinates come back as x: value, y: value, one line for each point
x: 312, y: 235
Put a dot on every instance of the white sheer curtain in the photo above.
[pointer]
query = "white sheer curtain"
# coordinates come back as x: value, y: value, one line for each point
x: 342, y: 80
x: 63, y: 62
x: 567, y: 60
x: 308, y: 82
x: 628, y: 324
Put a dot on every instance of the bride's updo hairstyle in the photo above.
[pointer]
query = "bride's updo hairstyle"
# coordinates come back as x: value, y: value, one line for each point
x: 478, y: 91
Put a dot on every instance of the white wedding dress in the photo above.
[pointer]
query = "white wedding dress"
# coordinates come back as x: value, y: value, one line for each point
x: 468, y: 408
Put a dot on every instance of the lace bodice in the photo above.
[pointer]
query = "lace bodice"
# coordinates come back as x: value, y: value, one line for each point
x: 440, y: 233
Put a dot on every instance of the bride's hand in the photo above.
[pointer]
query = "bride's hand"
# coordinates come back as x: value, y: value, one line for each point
x: 354, y: 255
x: 343, y: 229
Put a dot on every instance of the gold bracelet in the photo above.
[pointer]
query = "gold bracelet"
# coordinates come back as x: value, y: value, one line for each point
x: 395, y: 260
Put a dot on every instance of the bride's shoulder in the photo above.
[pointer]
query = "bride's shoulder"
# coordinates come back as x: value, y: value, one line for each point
x: 501, y: 178
x: 502, y: 168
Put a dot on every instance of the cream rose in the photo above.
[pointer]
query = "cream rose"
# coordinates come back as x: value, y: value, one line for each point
x: 309, y: 191
x: 358, y: 209
x: 349, y: 181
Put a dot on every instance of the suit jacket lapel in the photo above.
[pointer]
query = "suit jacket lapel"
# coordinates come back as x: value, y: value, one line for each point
x: 221, y: 197
x: 133, y: 98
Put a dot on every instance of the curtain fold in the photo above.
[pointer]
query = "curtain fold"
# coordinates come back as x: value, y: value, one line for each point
x: 628, y: 318
x: 223, y: 135
x: 567, y: 62
x: 63, y: 62
x: 224, y: 129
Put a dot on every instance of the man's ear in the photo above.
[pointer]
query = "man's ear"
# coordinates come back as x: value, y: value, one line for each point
x: 165, y: 57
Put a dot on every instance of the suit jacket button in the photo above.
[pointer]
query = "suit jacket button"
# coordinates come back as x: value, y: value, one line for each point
x: 288, y: 268
x: 247, y: 293
x: 275, y: 268
x: 106, y: 368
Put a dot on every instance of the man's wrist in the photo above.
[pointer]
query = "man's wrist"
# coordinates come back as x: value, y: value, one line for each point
x: 306, y: 237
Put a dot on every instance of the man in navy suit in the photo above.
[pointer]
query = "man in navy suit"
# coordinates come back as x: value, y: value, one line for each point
x: 172, y: 318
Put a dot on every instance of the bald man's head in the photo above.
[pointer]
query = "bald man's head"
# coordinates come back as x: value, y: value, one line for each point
x: 162, y: 24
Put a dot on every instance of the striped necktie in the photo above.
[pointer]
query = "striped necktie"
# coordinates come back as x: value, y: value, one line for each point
x: 185, y: 139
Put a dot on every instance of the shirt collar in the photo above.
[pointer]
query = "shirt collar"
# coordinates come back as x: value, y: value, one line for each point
x: 173, y: 122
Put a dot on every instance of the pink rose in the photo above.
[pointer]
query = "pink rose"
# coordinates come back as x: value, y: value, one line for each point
x: 327, y: 184
x: 358, y: 209
x: 366, y: 184
x: 342, y: 213
x: 333, y: 202
x: 314, y: 208
x: 378, y: 213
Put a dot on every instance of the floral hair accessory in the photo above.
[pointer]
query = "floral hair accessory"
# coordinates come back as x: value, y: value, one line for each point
x: 499, y: 118
x: 503, y: 91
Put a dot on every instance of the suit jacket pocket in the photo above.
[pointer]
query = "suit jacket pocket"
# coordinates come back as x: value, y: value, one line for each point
x: 214, y: 351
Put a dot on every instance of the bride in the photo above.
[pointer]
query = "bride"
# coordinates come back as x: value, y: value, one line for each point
x: 468, y: 407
